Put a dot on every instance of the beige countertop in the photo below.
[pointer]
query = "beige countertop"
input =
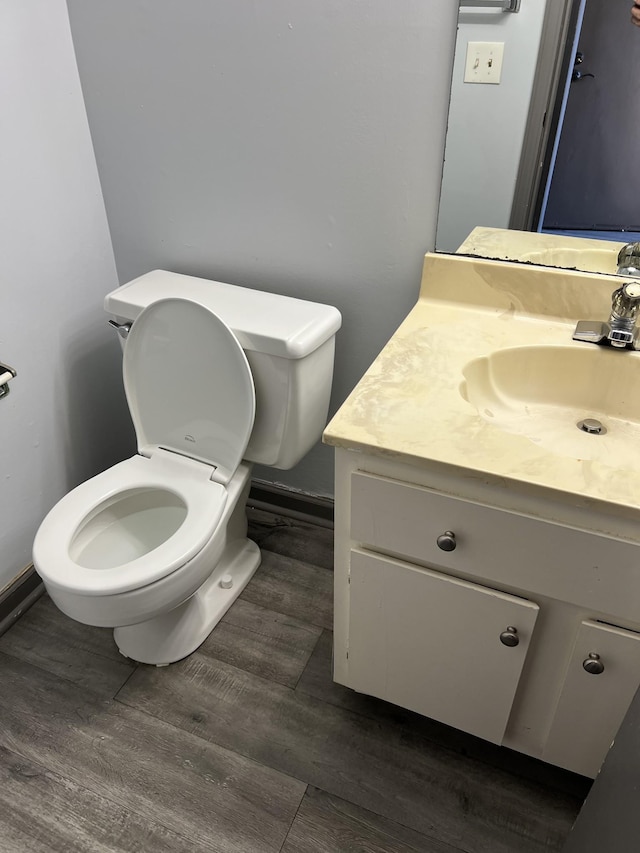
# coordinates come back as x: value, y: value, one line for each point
x: 409, y: 406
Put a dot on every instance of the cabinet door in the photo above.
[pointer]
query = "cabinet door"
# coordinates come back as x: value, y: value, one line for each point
x: 591, y: 706
x: 432, y: 643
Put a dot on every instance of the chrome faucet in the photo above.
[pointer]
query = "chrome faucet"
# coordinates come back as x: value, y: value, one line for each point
x: 629, y: 259
x: 625, y: 305
x: 621, y: 331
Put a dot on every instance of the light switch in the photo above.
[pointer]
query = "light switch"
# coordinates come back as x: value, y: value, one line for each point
x: 484, y: 62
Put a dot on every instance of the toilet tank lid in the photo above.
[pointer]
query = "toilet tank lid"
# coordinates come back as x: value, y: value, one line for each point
x: 262, y: 322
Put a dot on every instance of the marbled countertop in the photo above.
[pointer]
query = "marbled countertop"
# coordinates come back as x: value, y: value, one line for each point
x: 409, y: 407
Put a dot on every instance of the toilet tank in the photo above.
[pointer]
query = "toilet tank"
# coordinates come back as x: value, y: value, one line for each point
x: 289, y: 344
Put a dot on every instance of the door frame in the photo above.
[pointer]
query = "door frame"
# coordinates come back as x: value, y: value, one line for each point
x: 546, y: 109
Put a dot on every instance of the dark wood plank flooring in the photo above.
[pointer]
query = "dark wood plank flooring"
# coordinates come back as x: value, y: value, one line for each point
x: 248, y: 745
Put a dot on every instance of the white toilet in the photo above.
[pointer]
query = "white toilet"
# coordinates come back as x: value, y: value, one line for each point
x: 216, y: 377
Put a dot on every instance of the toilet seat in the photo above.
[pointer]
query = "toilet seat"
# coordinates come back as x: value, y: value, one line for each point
x: 162, y: 474
x: 189, y: 385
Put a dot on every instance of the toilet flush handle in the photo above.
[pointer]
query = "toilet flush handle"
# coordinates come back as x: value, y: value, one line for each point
x: 122, y: 329
x: 6, y: 373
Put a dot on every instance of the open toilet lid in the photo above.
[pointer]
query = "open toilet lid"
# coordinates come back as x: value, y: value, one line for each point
x: 189, y: 385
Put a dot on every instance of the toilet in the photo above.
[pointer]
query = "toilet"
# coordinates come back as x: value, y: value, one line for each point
x: 217, y: 377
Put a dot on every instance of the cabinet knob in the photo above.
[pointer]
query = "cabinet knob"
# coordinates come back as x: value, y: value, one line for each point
x: 447, y: 541
x: 510, y: 636
x: 593, y: 665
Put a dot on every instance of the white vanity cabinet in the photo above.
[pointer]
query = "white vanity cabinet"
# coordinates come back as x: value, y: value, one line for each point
x: 512, y: 627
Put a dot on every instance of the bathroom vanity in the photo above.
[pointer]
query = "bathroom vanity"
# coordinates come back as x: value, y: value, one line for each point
x: 487, y: 568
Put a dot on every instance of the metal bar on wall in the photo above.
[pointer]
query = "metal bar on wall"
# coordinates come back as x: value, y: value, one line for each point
x: 505, y: 5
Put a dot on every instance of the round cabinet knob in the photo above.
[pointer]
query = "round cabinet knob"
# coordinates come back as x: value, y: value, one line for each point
x: 510, y: 636
x: 447, y: 541
x: 593, y: 665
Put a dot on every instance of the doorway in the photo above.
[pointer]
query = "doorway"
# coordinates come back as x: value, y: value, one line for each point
x: 593, y: 182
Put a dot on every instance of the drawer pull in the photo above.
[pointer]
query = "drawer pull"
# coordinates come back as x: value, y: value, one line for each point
x: 510, y: 636
x: 593, y: 665
x: 447, y: 541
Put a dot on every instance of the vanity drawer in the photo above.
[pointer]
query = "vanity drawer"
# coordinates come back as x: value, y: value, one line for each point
x: 500, y: 547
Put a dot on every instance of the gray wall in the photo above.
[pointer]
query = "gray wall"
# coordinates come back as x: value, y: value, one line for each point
x: 56, y: 264
x: 287, y: 146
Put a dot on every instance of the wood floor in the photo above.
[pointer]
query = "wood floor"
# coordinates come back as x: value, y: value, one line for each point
x: 247, y: 746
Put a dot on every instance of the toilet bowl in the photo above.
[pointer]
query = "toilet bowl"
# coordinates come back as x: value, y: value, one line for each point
x: 156, y: 546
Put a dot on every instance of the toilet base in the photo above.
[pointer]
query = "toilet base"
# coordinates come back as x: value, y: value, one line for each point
x: 172, y: 636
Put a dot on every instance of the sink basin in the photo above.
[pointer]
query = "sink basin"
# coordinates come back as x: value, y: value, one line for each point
x: 603, y: 260
x: 543, y: 392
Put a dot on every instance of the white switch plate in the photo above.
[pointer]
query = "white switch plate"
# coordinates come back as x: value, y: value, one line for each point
x: 484, y: 62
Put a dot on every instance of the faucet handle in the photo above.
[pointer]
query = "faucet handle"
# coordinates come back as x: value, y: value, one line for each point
x: 625, y: 301
x: 625, y: 306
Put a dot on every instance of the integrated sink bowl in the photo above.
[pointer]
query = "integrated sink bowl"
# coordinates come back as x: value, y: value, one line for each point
x: 603, y: 260
x: 543, y: 392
